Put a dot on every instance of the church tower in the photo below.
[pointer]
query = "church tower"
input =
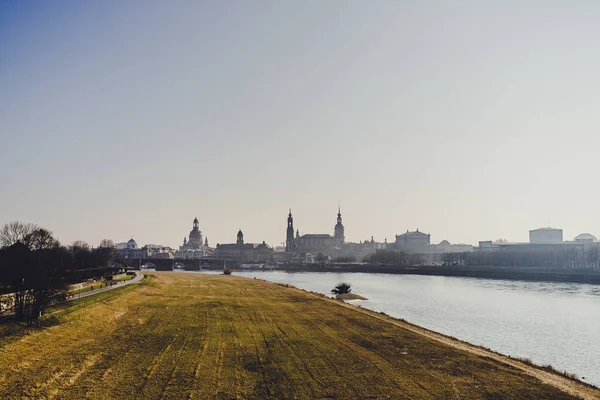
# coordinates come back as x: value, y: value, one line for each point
x: 195, y: 238
x: 338, y: 231
x: 240, y: 238
x: 289, y: 238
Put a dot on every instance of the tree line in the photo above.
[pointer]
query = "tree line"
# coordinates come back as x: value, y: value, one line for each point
x: 563, y: 256
x: 393, y: 257
x: 550, y: 256
x: 36, y: 270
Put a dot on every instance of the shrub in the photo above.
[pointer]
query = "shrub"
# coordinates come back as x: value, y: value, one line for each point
x: 341, y: 288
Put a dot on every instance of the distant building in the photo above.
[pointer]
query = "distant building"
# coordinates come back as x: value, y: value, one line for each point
x: 195, y: 238
x: 243, y: 252
x: 545, y: 236
x: 360, y: 250
x: 302, y: 257
x: 160, y: 252
x: 315, y: 242
x: 413, y: 242
x: 306, y: 247
x: 338, y: 230
x: 193, y: 248
x: 190, y: 254
x: 446, y: 247
x: 289, y: 238
x: 132, y: 251
x: 585, y: 238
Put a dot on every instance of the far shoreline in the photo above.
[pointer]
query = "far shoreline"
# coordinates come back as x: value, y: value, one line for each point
x: 530, y: 274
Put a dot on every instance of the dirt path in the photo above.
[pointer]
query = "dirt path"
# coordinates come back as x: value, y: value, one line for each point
x: 562, y: 383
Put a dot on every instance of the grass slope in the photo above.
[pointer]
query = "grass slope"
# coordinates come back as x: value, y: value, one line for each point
x: 205, y: 336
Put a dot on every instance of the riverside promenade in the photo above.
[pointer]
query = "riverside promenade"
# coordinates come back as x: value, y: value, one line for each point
x: 137, y: 279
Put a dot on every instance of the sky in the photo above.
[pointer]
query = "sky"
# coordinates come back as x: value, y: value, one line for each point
x: 468, y: 120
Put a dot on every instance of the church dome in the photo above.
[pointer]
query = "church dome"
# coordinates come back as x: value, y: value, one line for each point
x: 131, y: 244
x: 445, y: 243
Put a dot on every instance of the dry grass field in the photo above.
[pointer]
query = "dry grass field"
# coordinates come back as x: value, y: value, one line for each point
x: 182, y: 336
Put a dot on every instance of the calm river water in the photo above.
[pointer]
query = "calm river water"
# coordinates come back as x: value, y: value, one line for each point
x: 550, y: 323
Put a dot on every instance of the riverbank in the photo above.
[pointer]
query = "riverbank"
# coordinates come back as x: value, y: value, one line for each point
x: 182, y: 335
x: 547, y: 322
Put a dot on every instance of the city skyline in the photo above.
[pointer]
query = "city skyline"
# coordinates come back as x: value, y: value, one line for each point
x: 141, y: 242
x: 468, y: 121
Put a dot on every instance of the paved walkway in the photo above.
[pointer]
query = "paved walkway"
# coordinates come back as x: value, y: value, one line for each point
x: 137, y: 279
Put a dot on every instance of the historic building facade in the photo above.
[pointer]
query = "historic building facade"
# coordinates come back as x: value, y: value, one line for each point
x: 195, y: 238
x: 244, y: 252
x: 315, y: 242
x: 413, y: 242
x: 311, y: 245
x: 193, y: 247
x: 131, y: 250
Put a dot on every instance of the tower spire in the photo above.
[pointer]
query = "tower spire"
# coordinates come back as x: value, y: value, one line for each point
x: 338, y: 231
x: 289, y: 241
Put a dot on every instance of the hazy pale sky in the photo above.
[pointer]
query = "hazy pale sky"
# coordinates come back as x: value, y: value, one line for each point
x: 470, y: 120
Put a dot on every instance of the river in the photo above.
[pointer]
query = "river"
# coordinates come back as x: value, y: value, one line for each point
x: 550, y: 323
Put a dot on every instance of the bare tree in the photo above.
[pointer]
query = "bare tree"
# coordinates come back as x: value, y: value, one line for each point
x: 16, y: 231
x: 107, y: 244
x: 32, y: 268
x: 79, y: 245
x: 105, y: 254
x: 41, y: 239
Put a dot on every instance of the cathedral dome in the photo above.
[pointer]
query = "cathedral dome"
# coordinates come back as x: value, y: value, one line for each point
x: 131, y: 244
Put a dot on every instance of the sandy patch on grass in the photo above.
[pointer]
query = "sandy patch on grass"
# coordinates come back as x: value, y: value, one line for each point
x: 350, y: 296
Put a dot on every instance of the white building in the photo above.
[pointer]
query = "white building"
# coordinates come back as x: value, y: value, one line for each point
x: 545, y: 236
x: 132, y: 251
x: 413, y: 242
x: 585, y: 238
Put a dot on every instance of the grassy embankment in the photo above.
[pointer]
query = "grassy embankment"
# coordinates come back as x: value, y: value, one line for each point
x: 203, y: 336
